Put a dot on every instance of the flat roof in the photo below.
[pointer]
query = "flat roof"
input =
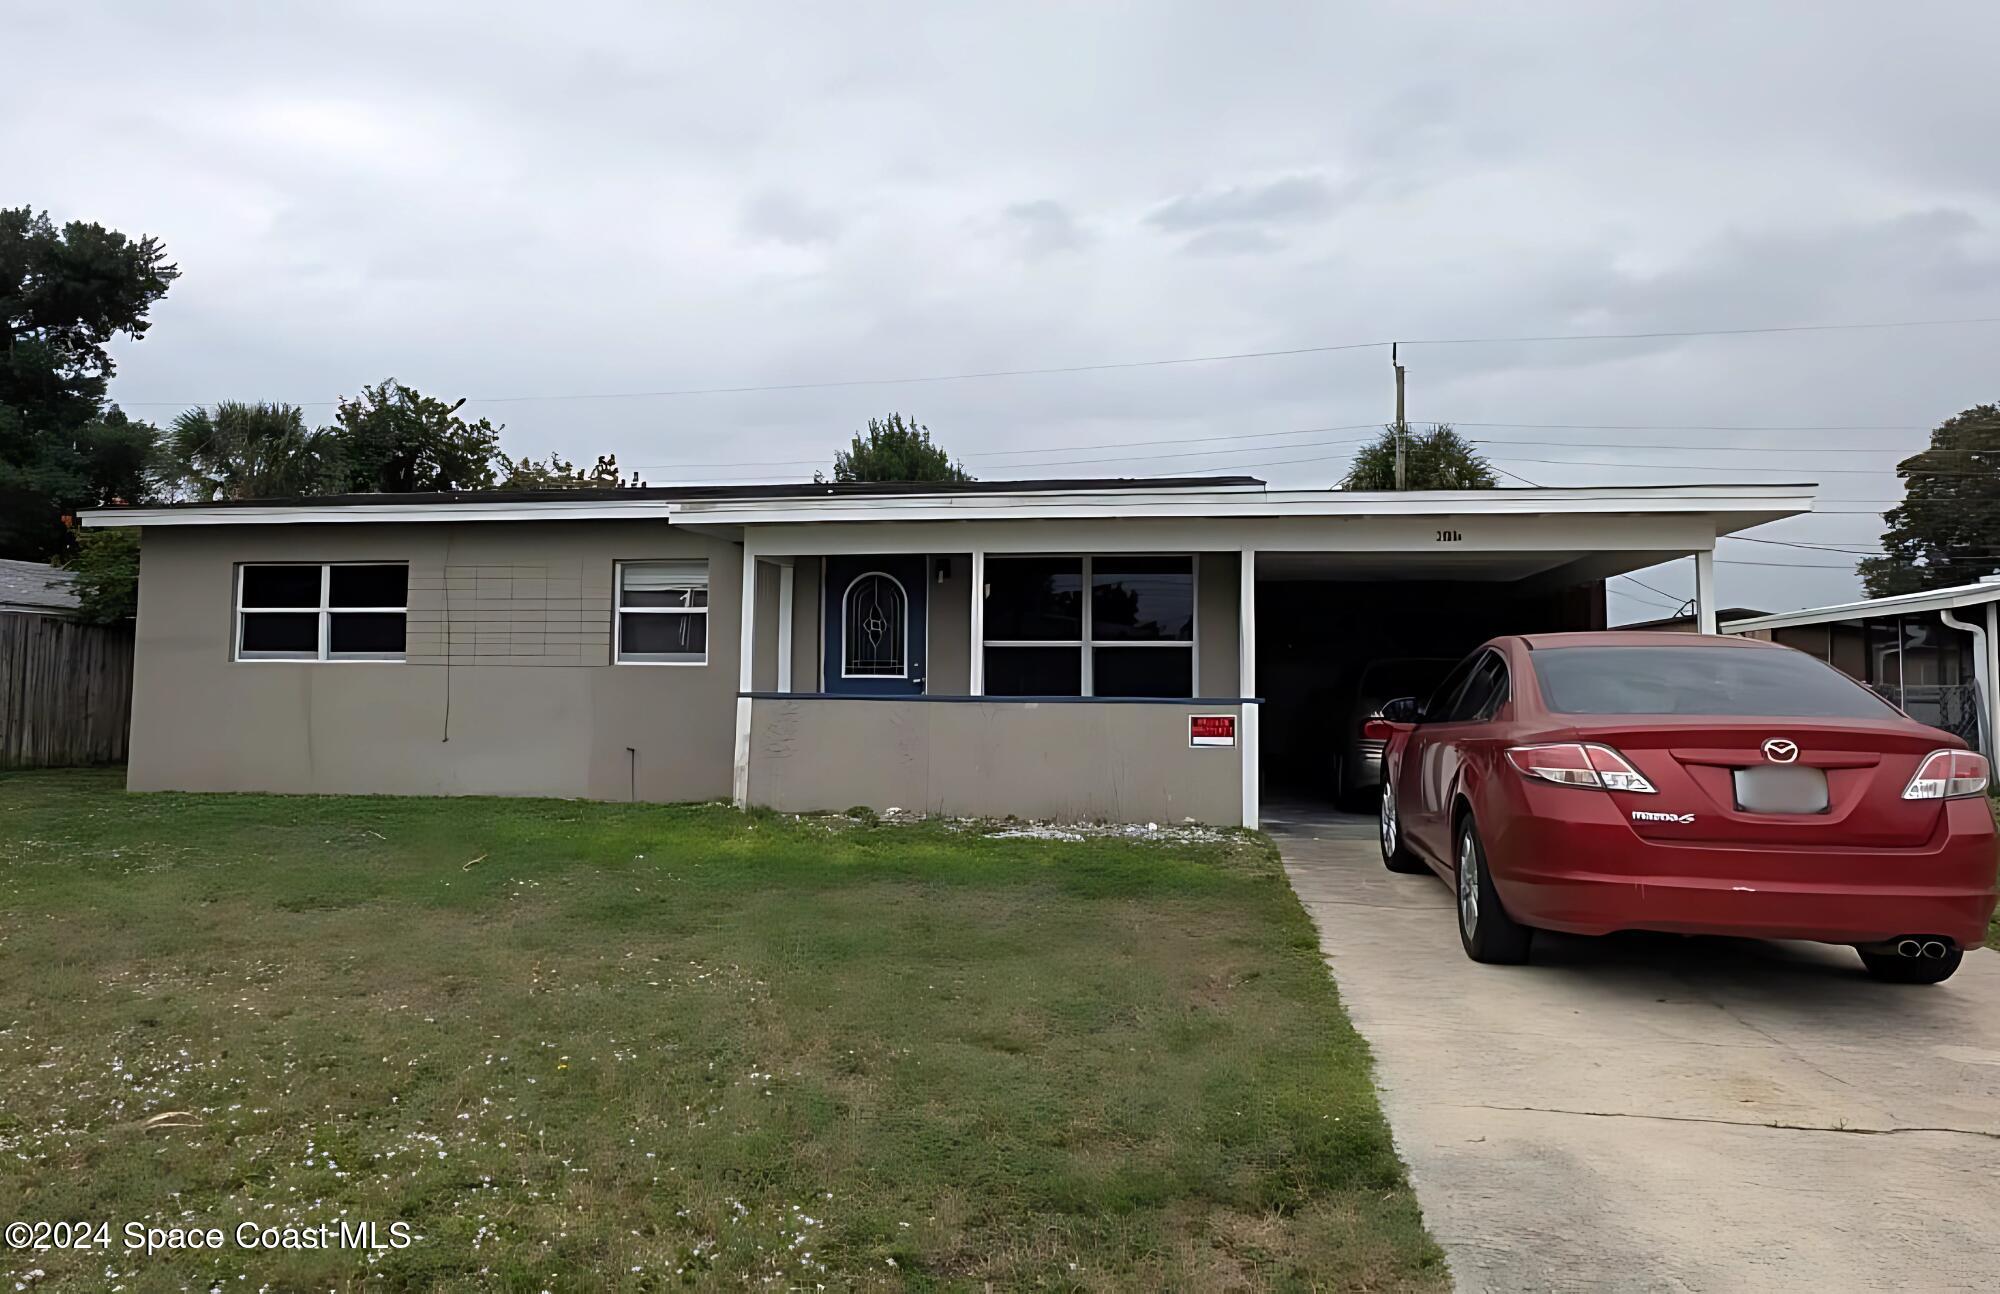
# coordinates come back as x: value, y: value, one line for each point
x: 1118, y: 497
x: 1956, y: 595
x: 677, y: 493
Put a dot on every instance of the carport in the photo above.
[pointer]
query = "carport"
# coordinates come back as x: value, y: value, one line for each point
x: 1282, y: 592
x: 1330, y: 623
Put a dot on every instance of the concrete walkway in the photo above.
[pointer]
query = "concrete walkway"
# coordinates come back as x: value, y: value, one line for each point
x: 1645, y: 1112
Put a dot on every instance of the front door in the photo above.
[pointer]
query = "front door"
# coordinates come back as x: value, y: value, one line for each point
x: 875, y: 617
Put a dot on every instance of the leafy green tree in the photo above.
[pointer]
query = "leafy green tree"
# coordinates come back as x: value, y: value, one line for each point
x: 560, y: 474
x: 65, y: 293
x: 106, y: 563
x: 395, y: 440
x: 246, y: 451
x: 1947, y: 529
x: 895, y: 449
x: 1438, y: 459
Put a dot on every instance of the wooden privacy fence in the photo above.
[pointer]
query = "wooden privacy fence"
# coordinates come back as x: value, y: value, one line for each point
x: 65, y: 692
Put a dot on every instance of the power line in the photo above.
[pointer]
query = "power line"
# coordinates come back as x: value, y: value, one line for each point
x: 1683, y: 426
x: 1792, y: 543
x: 1054, y: 449
x: 1649, y: 602
x: 1662, y: 592
x: 1738, y: 449
x: 834, y: 384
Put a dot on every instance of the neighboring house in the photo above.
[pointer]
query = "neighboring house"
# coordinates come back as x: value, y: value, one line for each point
x: 1934, y: 653
x: 65, y: 686
x: 1690, y: 622
x: 1066, y: 649
x: 36, y: 588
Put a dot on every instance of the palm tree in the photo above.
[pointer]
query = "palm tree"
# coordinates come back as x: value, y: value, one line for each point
x: 245, y: 451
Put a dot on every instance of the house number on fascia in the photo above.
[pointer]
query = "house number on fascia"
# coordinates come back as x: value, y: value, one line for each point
x: 1450, y: 536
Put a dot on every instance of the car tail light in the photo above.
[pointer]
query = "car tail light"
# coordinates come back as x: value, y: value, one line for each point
x: 1580, y: 764
x: 1947, y: 775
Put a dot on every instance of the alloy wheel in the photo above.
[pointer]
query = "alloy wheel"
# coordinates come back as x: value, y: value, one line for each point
x: 1388, y: 823
x: 1468, y: 883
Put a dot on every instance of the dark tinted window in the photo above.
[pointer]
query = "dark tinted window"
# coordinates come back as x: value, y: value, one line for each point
x: 1697, y: 681
x: 369, y: 586
x: 378, y: 633
x: 1438, y: 704
x: 662, y: 634
x: 1034, y: 599
x: 283, y: 632
x: 1483, y: 692
x: 1149, y: 599
x: 1141, y: 671
x: 281, y: 586
x: 1034, y: 671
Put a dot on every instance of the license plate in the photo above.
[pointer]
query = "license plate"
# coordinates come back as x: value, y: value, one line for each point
x: 1790, y: 789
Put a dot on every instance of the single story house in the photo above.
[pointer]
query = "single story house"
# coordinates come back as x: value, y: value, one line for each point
x: 1935, y: 653
x: 36, y: 588
x: 1083, y: 649
x: 1689, y: 622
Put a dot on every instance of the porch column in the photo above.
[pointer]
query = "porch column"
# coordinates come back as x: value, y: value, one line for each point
x: 976, y: 650
x: 746, y: 643
x: 1704, y: 591
x: 784, y: 624
x: 1246, y: 682
x: 1991, y: 701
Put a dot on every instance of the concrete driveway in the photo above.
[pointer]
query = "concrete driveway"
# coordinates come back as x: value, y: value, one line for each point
x: 1647, y: 1112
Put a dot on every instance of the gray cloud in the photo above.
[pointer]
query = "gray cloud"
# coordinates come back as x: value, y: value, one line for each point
x: 1046, y: 227
x: 1294, y: 197
x: 787, y: 218
x: 699, y: 197
x: 1232, y: 242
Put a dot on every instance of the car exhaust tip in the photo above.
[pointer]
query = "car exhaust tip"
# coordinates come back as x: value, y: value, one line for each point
x: 1936, y: 949
x: 1911, y: 948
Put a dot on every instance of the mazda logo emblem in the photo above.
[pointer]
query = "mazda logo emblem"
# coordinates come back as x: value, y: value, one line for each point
x: 1780, y: 751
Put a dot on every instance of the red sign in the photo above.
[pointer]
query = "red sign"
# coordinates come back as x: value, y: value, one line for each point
x: 1211, y: 730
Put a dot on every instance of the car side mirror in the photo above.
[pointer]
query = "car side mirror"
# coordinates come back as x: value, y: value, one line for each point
x: 1404, y: 709
x: 1378, y: 729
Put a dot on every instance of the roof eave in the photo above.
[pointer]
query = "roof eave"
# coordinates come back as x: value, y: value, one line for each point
x: 1961, y: 595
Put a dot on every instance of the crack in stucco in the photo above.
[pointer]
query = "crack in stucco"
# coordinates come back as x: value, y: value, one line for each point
x: 1734, y: 1123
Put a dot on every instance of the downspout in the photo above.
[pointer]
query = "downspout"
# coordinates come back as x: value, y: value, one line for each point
x: 1982, y: 675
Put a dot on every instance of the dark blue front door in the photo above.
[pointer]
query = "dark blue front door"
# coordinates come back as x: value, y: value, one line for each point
x: 875, y: 614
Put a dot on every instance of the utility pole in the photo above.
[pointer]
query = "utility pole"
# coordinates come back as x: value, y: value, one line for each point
x: 1401, y: 427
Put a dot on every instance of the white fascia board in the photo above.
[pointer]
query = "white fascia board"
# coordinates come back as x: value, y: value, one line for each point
x: 282, y: 515
x: 1733, y: 507
x: 1963, y: 595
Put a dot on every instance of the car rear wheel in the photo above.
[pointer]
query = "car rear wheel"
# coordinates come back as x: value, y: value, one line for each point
x: 1396, y: 855
x: 1891, y: 968
x: 1488, y: 933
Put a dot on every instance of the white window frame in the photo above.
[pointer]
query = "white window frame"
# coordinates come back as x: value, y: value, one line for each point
x: 619, y: 611
x: 1088, y: 644
x: 323, y: 654
x: 847, y: 593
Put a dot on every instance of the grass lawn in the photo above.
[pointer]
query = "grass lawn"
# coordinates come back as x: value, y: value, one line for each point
x: 582, y: 1046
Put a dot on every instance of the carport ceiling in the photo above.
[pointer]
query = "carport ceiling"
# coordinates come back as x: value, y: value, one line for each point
x: 1495, y: 567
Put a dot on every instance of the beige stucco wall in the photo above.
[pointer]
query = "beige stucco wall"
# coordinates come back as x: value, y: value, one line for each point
x: 476, y: 709
x: 949, y: 670
x: 1217, y: 610
x: 1067, y: 761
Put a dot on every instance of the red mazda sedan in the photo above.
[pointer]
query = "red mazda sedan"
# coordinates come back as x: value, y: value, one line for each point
x: 1594, y: 782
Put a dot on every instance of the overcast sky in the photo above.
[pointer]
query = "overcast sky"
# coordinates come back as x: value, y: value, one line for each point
x: 580, y: 200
